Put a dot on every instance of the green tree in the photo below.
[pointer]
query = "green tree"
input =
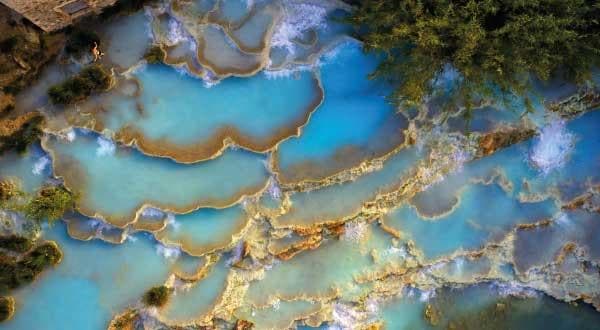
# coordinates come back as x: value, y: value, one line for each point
x: 495, y: 46
x: 50, y: 204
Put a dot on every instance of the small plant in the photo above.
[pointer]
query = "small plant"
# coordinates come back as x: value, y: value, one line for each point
x: 156, y: 296
x: 50, y: 203
x: 7, y: 308
x: 93, y: 78
x: 155, y: 55
x: 15, y: 243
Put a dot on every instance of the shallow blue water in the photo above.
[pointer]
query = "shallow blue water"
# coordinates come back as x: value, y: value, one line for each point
x: 484, y: 212
x: 355, y: 122
x: 354, y: 115
x: 477, y: 305
x: 93, y: 281
x: 180, y: 110
x: 30, y: 170
x: 116, y: 181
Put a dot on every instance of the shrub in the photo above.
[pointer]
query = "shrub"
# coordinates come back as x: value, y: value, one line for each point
x: 50, y: 203
x: 15, y: 243
x: 156, y: 296
x: 154, y: 55
x: 7, y: 308
x: 81, y: 41
x: 93, y: 78
x: 28, y: 133
x: 14, y: 274
x: 8, y: 190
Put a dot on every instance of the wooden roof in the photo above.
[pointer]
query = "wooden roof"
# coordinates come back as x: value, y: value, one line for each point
x: 52, y: 15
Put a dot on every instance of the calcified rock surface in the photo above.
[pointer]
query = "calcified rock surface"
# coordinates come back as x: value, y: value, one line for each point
x: 267, y: 190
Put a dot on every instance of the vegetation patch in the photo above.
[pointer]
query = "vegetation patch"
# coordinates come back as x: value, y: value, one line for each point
x: 16, y: 243
x: 8, y: 190
x: 50, y: 203
x: 156, y: 296
x: 7, y: 308
x: 16, y: 272
x: 491, y: 48
x: 155, y: 55
x: 93, y: 78
x: 28, y: 132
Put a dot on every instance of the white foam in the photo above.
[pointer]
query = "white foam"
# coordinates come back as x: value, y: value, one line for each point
x: 563, y: 221
x: 298, y: 18
x: 345, y: 317
x: 426, y: 295
x: 168, y: 252
x: 70, y: 135
x: 273, y: 189
x: 176, y: 33
x: 396, y: 251
x: 151, y: 212
x: 288, y: 71
x: 355, y: 231
x: 513, y: 289
x: 171, y: 221
x: 236, y: 254
x: 40, y: 165
x: 209, y: 79
x: 106, y: 147
x: 553, y: 146
x: 423, y: 295
x: 459, y: 265
x: 276, y: 304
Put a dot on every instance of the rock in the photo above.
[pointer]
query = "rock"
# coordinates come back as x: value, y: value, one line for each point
x: 243, y: 325
x: 491, y: 142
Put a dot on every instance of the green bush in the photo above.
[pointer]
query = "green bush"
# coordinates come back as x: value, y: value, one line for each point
x: 8, y: 190
x: 81, y: 41
x: 7, y: 308
x: 15, y: 243
x: 14, y: 274
x: 93, y: 78
x: 156, y: 296
x: 28, y: 133
x: 50, y: 203
x: 155, y: 55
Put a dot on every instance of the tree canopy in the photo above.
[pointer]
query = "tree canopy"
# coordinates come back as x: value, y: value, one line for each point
x: 494, y: 46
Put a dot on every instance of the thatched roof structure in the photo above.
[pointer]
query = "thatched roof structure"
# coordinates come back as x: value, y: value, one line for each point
x: 52, y: 15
